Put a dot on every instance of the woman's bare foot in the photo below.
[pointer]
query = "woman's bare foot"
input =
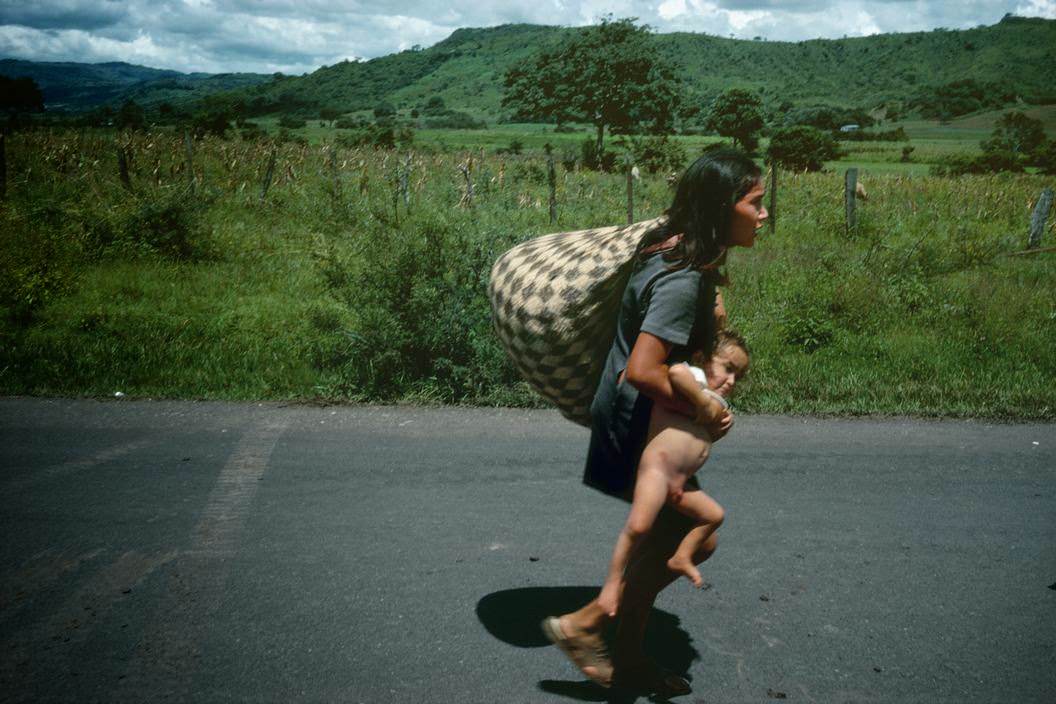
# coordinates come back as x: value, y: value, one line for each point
x: 586, y: 650
x: 684, y: 566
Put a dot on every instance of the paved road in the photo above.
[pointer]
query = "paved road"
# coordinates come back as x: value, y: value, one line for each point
x: 241, y: 552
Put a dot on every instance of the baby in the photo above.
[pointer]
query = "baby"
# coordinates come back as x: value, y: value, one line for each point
x: 677, y: 447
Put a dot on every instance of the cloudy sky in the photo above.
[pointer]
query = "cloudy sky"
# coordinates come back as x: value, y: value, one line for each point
x: 297, y: 36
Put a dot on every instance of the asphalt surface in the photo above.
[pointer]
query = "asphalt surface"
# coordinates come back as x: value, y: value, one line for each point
x: 207, y: 552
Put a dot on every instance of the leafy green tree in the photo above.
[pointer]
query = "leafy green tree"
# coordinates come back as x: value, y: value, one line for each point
x: 20, y: 95
x: 215, y: 122
x: 609, y: 75
x: 130, y: 117
x: 329, y: 114
x: 801, y: 148
x: 738, y: 114
x: 1016, y: 133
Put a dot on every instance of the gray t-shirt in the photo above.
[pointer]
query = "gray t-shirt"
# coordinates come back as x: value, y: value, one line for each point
x: 672, y: 305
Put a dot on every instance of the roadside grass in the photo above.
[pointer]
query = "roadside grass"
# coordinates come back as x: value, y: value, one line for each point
x: 335, y: 287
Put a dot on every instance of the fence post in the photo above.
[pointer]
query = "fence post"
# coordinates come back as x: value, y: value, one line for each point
x: 772, y: 208
x: 3, y: 167
x: 122, y: 168
x: 849, y: 186
x: 467, y: 199
x: 188, y: 147
x: 1038, y: 218
x: 551, y: 179
x: 405, y: 175
x: 268, y: 173
x: 630, y: 192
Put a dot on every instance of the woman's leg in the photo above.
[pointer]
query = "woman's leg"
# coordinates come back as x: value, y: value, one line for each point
x: 646, y: 577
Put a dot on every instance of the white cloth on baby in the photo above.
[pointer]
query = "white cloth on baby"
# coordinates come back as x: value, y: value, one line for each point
x: 702, y: 379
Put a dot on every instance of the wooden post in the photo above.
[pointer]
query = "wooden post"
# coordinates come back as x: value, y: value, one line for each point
x: 1037, y: 220
x: 630, y: 192
x: 335, y: 183
x: 849, y: 186
x: 268, y: 173
x: 188, y: 147
x: 122, y: 168
x: 551, y: 179
x: 405, y: 175
x: 467, y: 199
x: 3, y: 167
x: 772, y: 208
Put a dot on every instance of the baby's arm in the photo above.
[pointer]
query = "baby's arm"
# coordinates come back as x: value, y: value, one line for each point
x: 709, y: 409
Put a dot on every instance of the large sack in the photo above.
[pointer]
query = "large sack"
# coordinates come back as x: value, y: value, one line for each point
x: 555, y: 301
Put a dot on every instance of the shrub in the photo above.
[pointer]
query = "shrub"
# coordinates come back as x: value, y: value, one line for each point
x: 590, y: 159
x: 348, y: 123
x: 215, y: 123
x: 801, y: 148
x: 38, y: 259
x: 168, y: 223
x: 291, y: 123
x: 454, y: 120
x: 417, y: 291
x: 656, y: 153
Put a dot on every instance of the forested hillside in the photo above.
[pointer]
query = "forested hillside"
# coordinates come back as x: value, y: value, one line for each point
x: 1016, y: 57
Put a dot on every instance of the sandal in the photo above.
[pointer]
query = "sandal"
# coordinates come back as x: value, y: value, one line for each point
x: 584, y: 652
x: 650, y: 678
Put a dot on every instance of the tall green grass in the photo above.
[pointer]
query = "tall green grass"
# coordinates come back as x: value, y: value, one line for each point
x: 335, y: 287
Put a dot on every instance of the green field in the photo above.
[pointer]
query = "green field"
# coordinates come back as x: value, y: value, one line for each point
x: 337, y: 287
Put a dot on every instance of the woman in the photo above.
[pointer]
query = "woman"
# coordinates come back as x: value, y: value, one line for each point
x: 669, y: 308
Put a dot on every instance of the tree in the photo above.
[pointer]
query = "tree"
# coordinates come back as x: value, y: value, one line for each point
x: 738, y: 114
x: 20, y: 95
x: 329, y: 114
x: 1016, y: 133
x: 609, y: 75
x: 801, y: 148
x: 130, y: 117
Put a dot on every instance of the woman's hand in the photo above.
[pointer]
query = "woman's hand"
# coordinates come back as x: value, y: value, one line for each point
x: 718, y: 429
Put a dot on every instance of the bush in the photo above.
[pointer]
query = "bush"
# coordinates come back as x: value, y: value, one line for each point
x: 215, y: 123
x: 801, y: 148
x: 589, y: 156
x: 656, y: 153
x: 347, y: 123
x: 167, y: 223
x: 417, y: 291
x: 291, y: 123
x: 1046, y: 157
x: 454, y: 120
x: 38, y: 258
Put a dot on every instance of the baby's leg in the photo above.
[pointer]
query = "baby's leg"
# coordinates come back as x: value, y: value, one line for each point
x: 676, y: 447
x: 708, y: 515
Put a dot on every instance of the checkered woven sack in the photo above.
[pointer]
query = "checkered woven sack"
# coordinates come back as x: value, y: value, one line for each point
x: 555, y: 301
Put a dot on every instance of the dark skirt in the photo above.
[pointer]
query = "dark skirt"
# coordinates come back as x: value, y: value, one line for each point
x: 616, y: 444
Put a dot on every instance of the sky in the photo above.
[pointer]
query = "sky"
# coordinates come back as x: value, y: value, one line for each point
x: 299, y: 36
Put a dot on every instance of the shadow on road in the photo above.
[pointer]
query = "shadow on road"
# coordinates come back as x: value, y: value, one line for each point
x: 513, y: 616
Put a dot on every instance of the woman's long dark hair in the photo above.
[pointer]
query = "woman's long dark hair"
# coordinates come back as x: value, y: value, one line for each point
x: 702, y: 208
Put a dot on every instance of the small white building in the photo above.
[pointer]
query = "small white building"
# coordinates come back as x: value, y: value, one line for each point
x: 849, y: 128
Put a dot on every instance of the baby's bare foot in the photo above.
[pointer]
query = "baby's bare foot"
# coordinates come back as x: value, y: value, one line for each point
x: 685, y: 566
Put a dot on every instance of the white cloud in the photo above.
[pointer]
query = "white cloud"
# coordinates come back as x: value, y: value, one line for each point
x: 295, y: 36
x: 1037, y: 8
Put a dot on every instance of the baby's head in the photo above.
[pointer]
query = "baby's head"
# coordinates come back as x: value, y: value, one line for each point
x: 728, y: 362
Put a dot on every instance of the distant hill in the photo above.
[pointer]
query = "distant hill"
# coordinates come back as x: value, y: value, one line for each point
x: 1018, y: 55
x: 77, y: 87
x: 466, y: 69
